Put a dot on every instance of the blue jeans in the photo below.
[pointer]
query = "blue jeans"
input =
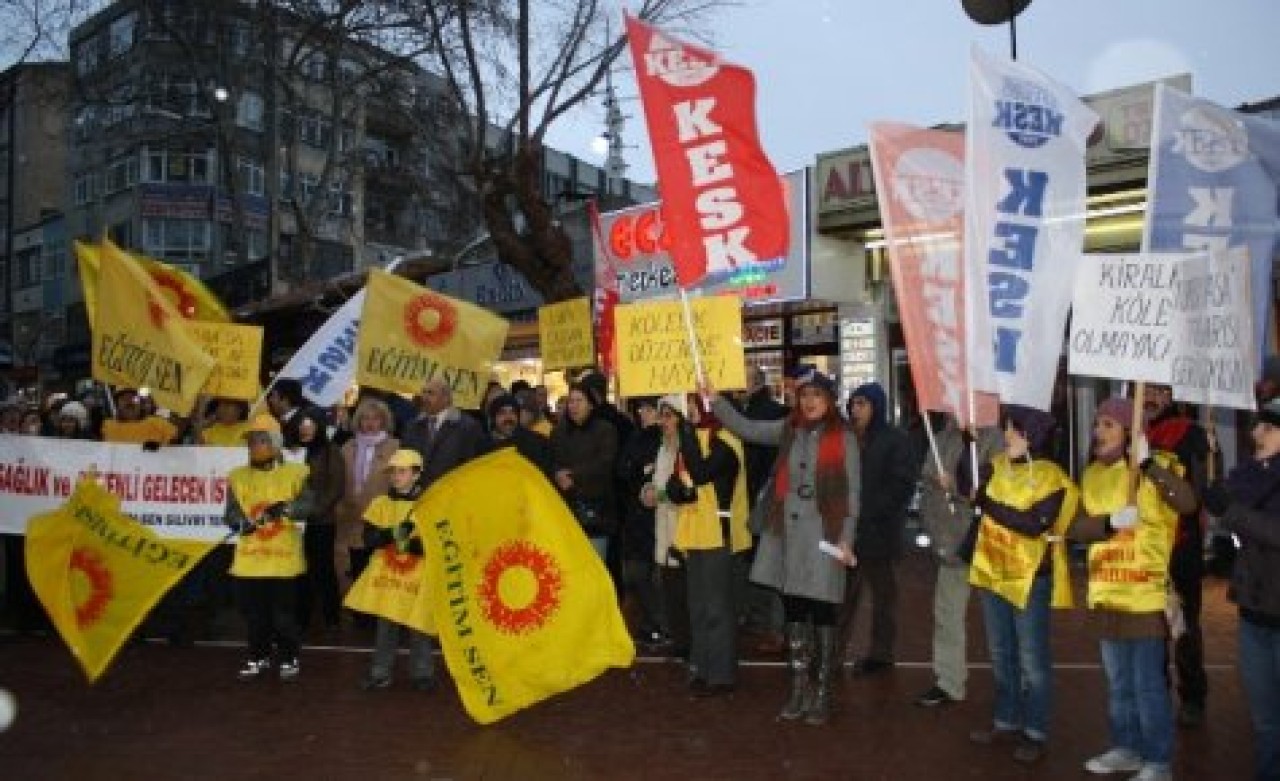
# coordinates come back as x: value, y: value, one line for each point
x: 1139, y: 707
x: 1018, y: 641
x: 1260, y: 672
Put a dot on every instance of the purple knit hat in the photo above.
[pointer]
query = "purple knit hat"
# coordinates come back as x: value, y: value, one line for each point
x: 1119, y: 409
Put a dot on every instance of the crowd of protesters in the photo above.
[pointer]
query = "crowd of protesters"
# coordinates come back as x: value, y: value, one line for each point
x: 716, y: 512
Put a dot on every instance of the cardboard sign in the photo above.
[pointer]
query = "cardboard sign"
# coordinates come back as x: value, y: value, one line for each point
x: 238, y: 352
x: 654, y: 354
x: 564, y: 331
x: 1215, y: 361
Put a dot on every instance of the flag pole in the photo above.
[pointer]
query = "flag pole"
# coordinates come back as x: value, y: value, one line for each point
x: 693, y: 339
x: 1135, y: 430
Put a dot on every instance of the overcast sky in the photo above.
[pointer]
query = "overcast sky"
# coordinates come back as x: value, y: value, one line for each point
x: 825, y: 68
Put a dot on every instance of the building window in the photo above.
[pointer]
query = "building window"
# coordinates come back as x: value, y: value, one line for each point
x: 314, y: 131
x: 161, y: 165
x: 249, y: 111
x: 240, y: 39
x: 252, y: 176
x: 121, y: 174
x: 86, y: 188
x: 180, y: 241
x: 29, y: 267
x: 55, y: 261
x: 120, y: 35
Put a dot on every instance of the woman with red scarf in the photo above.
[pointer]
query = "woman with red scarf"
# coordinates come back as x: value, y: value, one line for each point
x: 809, y: 527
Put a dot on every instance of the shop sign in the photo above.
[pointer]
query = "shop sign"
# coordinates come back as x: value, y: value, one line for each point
x: 758, y: 334
x: 637, y: 245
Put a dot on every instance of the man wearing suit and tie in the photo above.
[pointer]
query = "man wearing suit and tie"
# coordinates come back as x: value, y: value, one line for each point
x: 444, y: 436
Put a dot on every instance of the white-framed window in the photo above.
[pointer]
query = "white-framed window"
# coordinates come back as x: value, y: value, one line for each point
x: 315, y: 65
x: 88, y: 55
x: 55, y: 260
x: 171, y: 238
x: 121, y: 174
x: 249, y: 111
x: 85, y: 188
x: 29, y: 271
x: 162, y: 165
x: 314, y: 131
x: 240, y: 38
x: 252, y: 176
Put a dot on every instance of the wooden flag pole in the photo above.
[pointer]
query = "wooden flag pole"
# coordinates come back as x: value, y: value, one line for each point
x: 698, y: 372
x: 1135, y: 431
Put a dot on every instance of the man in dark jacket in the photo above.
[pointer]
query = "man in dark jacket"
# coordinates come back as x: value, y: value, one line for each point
x: 639, y: 575
x: 505, y: 431
x: 1171, y: 431
x: 444, y: 436
x: 889, y: 473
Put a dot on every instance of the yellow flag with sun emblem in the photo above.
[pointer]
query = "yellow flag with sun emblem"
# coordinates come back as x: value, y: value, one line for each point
x: 523, y: 604
x: 98, y: 572
x: 410, y: 334
x: 189, y: 296
x: 140, y: 340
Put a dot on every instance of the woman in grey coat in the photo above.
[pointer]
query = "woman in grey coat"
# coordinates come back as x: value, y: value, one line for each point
x: 813, y: 500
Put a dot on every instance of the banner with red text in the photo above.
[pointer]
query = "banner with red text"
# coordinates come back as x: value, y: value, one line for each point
x: 177, y: 492
x: 920, y: 185
x: 1024, y: 233
x: 722, y: 200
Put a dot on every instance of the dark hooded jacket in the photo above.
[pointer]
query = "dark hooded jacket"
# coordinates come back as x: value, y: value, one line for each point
x: 889, y: 474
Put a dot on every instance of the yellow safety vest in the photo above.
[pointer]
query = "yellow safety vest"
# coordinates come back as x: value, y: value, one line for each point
x: 1129, y: 572
x: 275, y: 550
x: 698, y: 524
x: 393, y: 585
x: 1004, y: 561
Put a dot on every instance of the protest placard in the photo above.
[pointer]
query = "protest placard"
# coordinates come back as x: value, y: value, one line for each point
x: 237, y: 350
x: 1122, y: 317
x: 653, y: 346
x: 1215, y: 361
x: 564, y: 333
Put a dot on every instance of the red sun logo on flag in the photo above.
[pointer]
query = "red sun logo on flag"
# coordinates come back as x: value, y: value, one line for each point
x: 397, y: 562
x: 97, y: 577
x: 267, y: 530
x: 521, y: 589
x: 430, y: 320
x: 183, y: 302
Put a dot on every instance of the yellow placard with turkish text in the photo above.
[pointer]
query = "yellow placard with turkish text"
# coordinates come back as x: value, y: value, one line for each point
x: 565, y: 334
x: 238, y: 352
x: 654, y: 355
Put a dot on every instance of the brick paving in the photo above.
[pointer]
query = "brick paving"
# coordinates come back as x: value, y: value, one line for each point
x: 167, y: 713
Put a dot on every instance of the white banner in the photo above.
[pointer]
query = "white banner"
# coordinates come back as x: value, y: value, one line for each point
x: 1123, y: 318
x: 1025, y: 207
x: 179, y: 492
x: 326, y: 364
x: 1216, y: 363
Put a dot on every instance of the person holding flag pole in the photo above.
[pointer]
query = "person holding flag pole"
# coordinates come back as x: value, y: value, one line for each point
x: 1128, y: 515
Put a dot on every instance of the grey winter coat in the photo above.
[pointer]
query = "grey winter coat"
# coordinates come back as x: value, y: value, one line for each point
x: 790, y: 562
x: 946, y: 522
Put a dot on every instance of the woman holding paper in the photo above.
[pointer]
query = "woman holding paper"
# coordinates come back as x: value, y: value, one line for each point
x: 807, y: 538
x: 1130, y: 535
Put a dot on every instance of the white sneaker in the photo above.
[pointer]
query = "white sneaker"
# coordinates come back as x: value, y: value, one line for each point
x: 1153, y: 772
x: 1116, y: 760
x: 289, y: 669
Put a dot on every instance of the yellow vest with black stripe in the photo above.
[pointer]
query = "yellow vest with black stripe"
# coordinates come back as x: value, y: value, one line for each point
x: 1129, y: 572
x: 275, y: 550
x: 393, y: 586
x: 1004, y: 561
x: 698, y: 524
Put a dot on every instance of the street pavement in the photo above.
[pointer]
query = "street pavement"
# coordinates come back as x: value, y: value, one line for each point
x: 179, y: 713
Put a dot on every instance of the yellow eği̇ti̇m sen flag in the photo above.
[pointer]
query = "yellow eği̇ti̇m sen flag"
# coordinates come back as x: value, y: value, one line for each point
x: 139, y: 339
x: 189, y: 296
x: 524, y: 606
x: 410, y: 334
x: 98, y: 572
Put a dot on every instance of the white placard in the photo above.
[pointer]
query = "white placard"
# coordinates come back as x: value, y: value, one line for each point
x: 1215, y: 360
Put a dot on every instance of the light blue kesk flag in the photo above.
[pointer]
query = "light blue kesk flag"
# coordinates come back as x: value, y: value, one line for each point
x: 1215, y: 183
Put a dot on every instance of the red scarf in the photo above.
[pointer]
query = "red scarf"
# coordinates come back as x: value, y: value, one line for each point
x: 831, y: 489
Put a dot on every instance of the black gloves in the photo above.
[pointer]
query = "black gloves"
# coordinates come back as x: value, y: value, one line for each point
x: 151, y: 447
x: 679, y: 492
x: 275, y: 512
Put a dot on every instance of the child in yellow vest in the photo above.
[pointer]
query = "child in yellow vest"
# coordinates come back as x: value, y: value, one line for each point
x: 391, y: 587
x: 1131, y: 538
x: 1020, y: 564
x: 265, y: 497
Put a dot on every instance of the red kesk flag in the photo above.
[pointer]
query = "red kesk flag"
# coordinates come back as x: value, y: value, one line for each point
x: 722, y: 200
